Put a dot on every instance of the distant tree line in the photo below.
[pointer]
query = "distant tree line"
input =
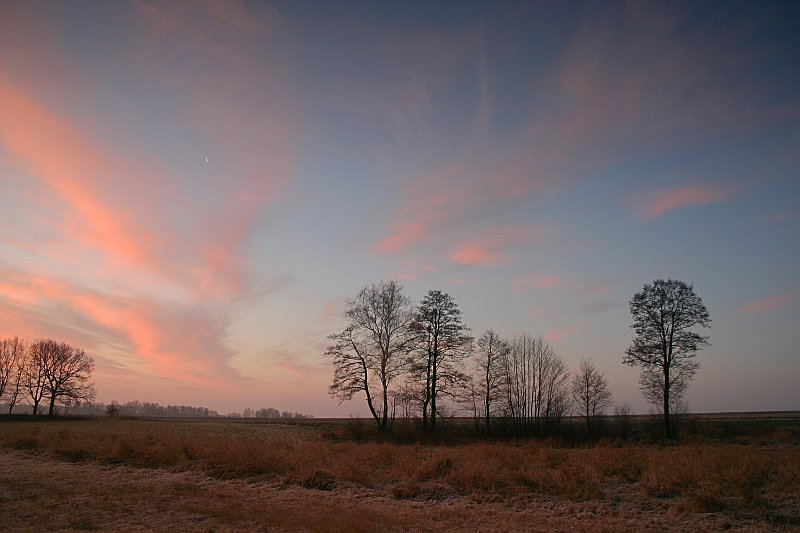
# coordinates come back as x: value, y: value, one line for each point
x: 421, y: 362
x: 137, y: 408
x: 48, y: 374
x: 44, y: 373
x: 268, y: 412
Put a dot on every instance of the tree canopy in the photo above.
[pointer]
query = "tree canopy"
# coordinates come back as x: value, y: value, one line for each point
x: 665, y: 345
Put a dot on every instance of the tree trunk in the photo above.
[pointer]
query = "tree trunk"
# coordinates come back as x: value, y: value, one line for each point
x: 51, y: 410
x: 487, y: 413
x: 667, y: 432
x: 385, y: 421
x: 433, y: 401
x: 425, y: 402
x: 372, y: 410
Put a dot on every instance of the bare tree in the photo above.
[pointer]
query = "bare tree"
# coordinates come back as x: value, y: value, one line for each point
x: 490, y: 362
x: 68, y: 372
x: 443, y: 345
x: 471, y: 398
x: 590, y: 393
x: 16, y: 387
x: 665, y: 347
x: 56, y: 371
x: 12, y: 359
x: 406, y: 398
x: 535, y: 384
x: 372, y: 351
x: 623, y: 414
x: 351, y: 368
x: 35, y: 377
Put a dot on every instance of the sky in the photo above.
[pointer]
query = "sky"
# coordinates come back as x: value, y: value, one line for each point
x: 190, y: 191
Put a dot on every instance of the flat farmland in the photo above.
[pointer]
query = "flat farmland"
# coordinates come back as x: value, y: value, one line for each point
x: 730, y: 473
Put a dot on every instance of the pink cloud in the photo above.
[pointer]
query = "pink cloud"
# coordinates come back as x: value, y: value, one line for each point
x: 654, y: 204
x: 120, y: 203
x: 404, y: 235
x: 769, y: 303
x: 655, y: 92
x: 96, y: 215
x: 139, y: 261
x: 332, y: 310
x: 598, y: 287
x: 56, y: 154
x: 179, y: 342
x: 554, y: 335
x: 436, y: 202
x: 296, y: 367
x: 405, y: 276
x: 490, y: 248
x: 538, y: 280
x: 601, y: 99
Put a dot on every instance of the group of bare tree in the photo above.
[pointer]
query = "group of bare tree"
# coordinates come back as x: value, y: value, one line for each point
x: 525, y: 382
x: 414, y: 358
x: 411, y: 358
x: 44, y: 371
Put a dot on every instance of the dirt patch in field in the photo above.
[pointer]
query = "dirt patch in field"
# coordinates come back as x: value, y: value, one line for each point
x: 38, y: 493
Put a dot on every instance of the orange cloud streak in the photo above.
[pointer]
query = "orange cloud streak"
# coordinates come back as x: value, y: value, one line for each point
x: 769, y: 303
x: 490, y: 248
x: 180, y: 342
x: 119, y: 204
x: 436, y: 202
x: 114, y: 215
x: 55, y: 153
x: 658, y: 203
x: 554, y: 335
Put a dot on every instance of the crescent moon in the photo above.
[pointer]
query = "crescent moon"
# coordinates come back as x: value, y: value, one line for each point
x: 206, y: 159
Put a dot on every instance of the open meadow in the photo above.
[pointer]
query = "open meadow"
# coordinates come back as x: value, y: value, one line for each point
x: 732, y: 473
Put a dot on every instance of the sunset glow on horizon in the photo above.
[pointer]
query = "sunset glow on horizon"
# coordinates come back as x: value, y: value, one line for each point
x: 191, y: 191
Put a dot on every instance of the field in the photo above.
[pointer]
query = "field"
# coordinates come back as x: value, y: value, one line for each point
x: 728, y: 473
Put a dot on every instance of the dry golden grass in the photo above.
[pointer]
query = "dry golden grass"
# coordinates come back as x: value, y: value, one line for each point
x: 707, y: 486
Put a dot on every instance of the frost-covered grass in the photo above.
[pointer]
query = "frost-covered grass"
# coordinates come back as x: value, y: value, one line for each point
x: 705, y: 485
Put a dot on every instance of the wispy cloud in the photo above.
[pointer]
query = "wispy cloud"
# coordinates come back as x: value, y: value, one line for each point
x: 436, y: 202
x: 539, y: 280
x: 599, y: 307
x: 652, y: 205
x: 783, y: 216
x: 53, y: 152
x: 491, y: 248
x: 144, y: 252
x: 598, y: 286
x: 590, y: 103
x: 182, y: 342
x: 769, y: 303
x: 332, y: 310
x: 121, y: 200
x: 557, y: 334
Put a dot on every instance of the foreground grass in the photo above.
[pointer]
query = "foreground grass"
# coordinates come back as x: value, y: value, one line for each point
x: 721, y: 485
